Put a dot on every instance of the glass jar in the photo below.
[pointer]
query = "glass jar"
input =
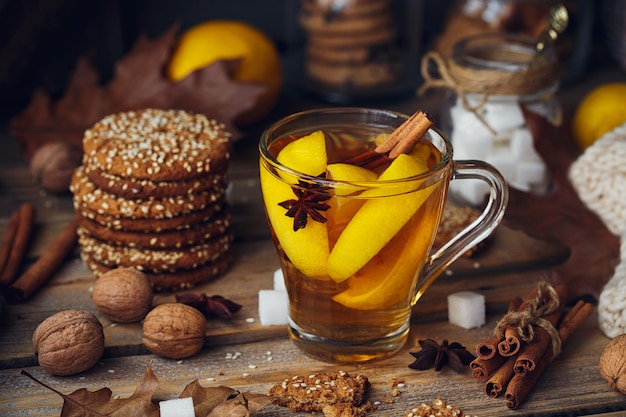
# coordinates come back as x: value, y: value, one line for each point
x: 491, y: 78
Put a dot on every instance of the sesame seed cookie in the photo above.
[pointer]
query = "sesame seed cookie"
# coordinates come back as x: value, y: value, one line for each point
x: 157, y: 145
x: 127, y: 187
x: 88, y: 196
x: 152, y: 225
x: 173, y: 281
x: 154, y: 260
x: 194, y: 234
x: 314, y: 392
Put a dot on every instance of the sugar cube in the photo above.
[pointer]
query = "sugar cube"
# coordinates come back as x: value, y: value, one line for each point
x: 504, y: 116
x: 177, y: 407
x: 273, y: 307
x: 466, y: 309
x: 471, y: 191
x: 279, y: 280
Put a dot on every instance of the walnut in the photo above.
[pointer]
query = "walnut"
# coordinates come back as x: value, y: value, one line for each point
x: 174, y: 330
x: 613, y: 363
x: 123, y: 295
x: 53, y: 164
x: 69, y: 342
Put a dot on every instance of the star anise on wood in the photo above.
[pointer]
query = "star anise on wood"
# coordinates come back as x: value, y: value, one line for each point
x: 309, y: 202
x: 214, y: 306
x: 435, y: 355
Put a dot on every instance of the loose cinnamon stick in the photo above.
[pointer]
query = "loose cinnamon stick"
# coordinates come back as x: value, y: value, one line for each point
x: 19, y: 246
x: 49, y: 261
x: 484, y: 368
x: 7, y: 240
x: 498, y: 382
x: 520, y: 385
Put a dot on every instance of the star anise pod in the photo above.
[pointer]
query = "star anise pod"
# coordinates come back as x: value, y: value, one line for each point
x: 310, y: 201
x: 214, y: 306
x: 434, y: 355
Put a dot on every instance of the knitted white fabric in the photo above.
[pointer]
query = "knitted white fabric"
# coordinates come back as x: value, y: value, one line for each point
x: 599, y: 177
x: 612, y: 300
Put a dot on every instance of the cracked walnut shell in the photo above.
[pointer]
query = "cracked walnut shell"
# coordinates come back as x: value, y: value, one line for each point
x: 69, y: 342
x: 613, y: 363
x: 174, y: 330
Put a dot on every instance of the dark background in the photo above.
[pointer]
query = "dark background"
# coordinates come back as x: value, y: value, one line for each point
x: 41, y: 40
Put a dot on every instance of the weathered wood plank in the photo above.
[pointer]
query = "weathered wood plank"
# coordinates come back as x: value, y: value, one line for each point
x: 572, y: 384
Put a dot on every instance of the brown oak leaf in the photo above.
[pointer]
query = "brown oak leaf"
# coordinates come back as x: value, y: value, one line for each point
x: 83, y: 402
x: 139, y: 81
x: 208, y: 401
x: 561, y: 217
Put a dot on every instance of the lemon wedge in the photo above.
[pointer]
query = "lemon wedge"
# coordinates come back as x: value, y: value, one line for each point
x: 379, y: 219
x: 306, y: 248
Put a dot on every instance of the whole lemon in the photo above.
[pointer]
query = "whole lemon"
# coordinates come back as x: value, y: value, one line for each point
x: 600, y: 111
x: 215, y: 40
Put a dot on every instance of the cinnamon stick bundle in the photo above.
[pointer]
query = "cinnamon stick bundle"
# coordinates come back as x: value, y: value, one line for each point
x: 521, y: 384
x: 543, y: 328
x: 489, y: 348
x: 48, y: 263
x: 15, y: 242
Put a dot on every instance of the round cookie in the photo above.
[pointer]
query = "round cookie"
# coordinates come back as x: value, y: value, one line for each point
x: 133, y: 188
x: 87, y: 196
x: 348, y: 8
x: 157, y: 145
x: 173, y: 281
x: 153, y: 225
x: 196, y: 233
x: 154, y: 260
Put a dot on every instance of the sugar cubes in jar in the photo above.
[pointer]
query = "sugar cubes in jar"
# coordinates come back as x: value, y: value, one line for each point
x: 492, y: 79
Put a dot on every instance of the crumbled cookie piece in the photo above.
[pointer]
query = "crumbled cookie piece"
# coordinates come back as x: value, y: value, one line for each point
x: 438, y: 408
x: 347, y: 410
x: 314, y: 392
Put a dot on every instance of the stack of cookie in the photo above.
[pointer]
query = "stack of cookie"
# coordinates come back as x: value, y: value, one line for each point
x: 351, y: 43
x: 150, y: 194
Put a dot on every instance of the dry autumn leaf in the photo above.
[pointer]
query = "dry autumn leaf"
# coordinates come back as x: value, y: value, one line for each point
x: 138, y: 82
x: 561, y: 217
x: 208, y: 401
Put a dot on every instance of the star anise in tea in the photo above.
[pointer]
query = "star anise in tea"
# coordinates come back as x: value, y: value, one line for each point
x: 435, y: 355
x: 310, y: 202
x: 214, y: 306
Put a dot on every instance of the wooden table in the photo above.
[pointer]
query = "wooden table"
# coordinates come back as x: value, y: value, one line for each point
x: 572, y: 386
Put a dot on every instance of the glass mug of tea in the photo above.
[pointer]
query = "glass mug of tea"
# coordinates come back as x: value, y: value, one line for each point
x: 354, y: 239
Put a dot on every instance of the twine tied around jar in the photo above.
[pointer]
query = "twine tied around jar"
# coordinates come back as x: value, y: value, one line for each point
x: 546, y: 301
x: 534, y: 77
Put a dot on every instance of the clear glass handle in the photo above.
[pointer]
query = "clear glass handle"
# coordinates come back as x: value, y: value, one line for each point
x: 478, y: 230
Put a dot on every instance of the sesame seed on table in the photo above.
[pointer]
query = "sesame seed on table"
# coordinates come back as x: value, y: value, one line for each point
x: 243, y: 354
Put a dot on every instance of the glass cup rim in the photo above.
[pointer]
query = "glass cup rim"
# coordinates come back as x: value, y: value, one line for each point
x: 267, y: 158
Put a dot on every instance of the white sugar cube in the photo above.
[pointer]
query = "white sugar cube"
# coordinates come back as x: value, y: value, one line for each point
x: 466, y: 309
x: 273, y: 307
x: 504, y: 162
x: 279, y: 280
x: 530, y: 172
x: 470, y: 191
x: 177, y: 407
x: 523, y: 147
x: 504, y: 116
